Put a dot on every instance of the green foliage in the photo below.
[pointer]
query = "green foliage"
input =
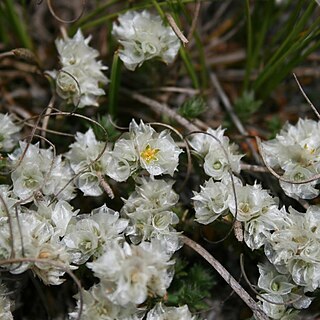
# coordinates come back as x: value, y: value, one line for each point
x: 247, y: 104
x: 274, y: 126
x: 294, y: 36
x: 190, y: 287
x: 192, y: 107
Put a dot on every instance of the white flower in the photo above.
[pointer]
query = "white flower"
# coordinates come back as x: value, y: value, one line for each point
x: 96, y: 306
x: 39, y: 170
x: 149, y: 209
x: 161, y: 312
x: 219, y: 155
x: 144, y: 36
x: 252, y: 201
x: 84, y: 157
x: 88, y: 235
x: 8, y: 133
x: 80, y: 75
x: 143, y: 147
x: 130, y: 273
x: 296, y: 152
x: 211, y: 202
x: 294, y: 247
x: 258, y: 229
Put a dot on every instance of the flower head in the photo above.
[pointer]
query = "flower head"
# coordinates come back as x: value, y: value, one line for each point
x: 80, y: 75
x: 144, y: 36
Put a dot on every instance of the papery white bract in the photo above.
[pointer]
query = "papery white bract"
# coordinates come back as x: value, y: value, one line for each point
x: 80, y: 75
x: 294, y: 247
x: 143, y: 147
x: 149, y: 209
x: 161, y: 312
x: 296, y: 151
x: 88, y: 235
x: 84, y: 158
x: 40, y: 170
x: 144, y: 36
x: 211, y: 202
x: 98, y: 307
x: 219, y: 155
x: 130, y: 273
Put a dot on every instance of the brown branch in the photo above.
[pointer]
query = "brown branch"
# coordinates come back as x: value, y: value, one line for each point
x: 161, y: 108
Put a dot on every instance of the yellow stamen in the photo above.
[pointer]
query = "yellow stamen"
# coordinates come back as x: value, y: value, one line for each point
x: 149, y: 154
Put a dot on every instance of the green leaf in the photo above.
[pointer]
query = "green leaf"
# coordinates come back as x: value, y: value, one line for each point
x: 192, y: 107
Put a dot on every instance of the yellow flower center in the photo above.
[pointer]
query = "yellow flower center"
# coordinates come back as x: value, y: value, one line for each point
x: 149, y: 154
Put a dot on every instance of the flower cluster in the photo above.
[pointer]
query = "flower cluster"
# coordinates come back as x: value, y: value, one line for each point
x: 219, y: 155
x: 149, y: 210
x: 87, y: 160
x: 40, y: 230
x: 296, y: 152
x: 87, y: 235
x: 144, y: 36
x: 161, y: 312
x: 254, y: 207
x: 279, y: 291
x: 129, y: 251
x: 143, y: 148
x: 80, y: 75
x: 37, y: 171
x: 129, y: 273
x: 97, y: 306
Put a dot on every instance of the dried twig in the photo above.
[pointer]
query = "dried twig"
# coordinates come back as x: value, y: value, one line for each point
x: 161, y: 108
x: 306, y: 97
x: 176, y: 29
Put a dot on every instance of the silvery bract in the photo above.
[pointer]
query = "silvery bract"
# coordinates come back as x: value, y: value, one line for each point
x: 161, y: 312
x: 296, y: 152
x: 144, y: 36
x: 130, y: 273
x: 218, y: 153
x: 142, y: 147
x: 80, y: 75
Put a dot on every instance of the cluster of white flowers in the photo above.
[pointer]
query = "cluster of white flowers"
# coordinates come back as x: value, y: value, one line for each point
x: 290, y: 238
x: 149, y: 209
x: 296, y: 152
x: 161, y: 312
x: 96, y: 306
x: 254, y: 207
x: 87, y: 235
x: 144, y: 36
x: 78, y: 79
x: 40, y: 231
x: 280, y: 295
x: 130, y: 251
x: 143, y: 148
x: 9, y: 133
x: 219, y: 155
x: 129, y: 273
x: 87, y: 161
x: 38, y: 170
